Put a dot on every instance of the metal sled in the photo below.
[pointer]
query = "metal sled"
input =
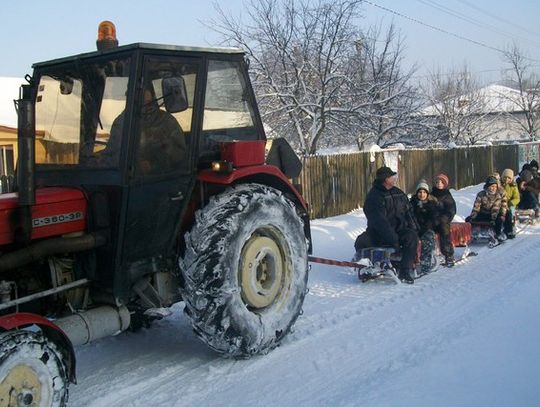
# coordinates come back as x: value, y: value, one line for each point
x: 378, y: 263
x: 526, y: 216
x: 483, y: 232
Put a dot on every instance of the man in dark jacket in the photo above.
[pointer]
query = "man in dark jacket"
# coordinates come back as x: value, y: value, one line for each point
x: 390, y: 221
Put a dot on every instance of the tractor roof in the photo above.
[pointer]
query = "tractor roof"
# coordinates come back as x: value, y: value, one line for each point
x: 145, y: 46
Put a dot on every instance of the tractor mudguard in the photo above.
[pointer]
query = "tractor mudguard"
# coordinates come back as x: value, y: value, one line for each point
x: 251, y: 172
x: 53, y: 332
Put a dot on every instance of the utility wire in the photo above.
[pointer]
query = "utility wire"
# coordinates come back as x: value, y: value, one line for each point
x: 474, y: 21
x: 433, y: 27
x: 496, y: 17
x: 461, y: 37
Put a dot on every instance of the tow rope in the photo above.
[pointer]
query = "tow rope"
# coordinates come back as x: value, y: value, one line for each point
x: 330, y: 262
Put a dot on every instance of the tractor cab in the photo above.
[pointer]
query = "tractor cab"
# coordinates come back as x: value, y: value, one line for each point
x: 132, y: 126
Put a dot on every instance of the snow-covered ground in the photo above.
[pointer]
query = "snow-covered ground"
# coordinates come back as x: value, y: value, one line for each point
x: 467, y: 336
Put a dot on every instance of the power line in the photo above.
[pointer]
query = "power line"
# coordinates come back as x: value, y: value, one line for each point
x: 461, y: 37
x: 434, y: 28
x: 496, y: 17
x: 473, y: 21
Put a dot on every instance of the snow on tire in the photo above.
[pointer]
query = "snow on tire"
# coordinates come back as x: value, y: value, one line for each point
x: 32, y: 372
x: 245, y: 270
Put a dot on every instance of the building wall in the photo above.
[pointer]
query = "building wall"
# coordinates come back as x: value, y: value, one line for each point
x: 506, y: 129
x: 8, y: 150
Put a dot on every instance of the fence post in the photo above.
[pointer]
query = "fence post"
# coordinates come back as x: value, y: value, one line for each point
x: 456, y: 172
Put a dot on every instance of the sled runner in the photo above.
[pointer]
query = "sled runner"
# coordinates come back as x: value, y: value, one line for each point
x: 526, y: 216
x: 379, y: 263
x: 483, y: 232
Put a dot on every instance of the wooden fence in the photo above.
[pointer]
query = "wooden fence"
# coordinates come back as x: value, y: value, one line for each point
x: 336, y: 184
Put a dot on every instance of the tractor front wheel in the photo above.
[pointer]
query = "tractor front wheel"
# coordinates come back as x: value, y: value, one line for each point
x: 32, y: 372
x: 245, y: 270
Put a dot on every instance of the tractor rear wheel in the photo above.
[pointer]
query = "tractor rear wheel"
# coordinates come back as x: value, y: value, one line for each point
x: 245, y: 270
x: 32, y: 372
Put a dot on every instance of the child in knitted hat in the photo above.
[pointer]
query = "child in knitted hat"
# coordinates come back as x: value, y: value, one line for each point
x: 425, y: 209
x: 512, y: 198
x: 488, y: 207
x: 447, y: 211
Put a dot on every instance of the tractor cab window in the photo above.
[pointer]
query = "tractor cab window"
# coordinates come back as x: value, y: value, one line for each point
x: 164, y: 119
x: 228, y: 113
x: 79, y: 112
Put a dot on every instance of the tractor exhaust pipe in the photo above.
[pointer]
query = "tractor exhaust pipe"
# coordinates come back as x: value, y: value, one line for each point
x: 26, y: 135
x: 84, y: 327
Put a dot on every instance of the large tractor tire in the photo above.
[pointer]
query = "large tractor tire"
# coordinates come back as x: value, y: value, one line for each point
x: 32, y: 372
x: 245, y: 270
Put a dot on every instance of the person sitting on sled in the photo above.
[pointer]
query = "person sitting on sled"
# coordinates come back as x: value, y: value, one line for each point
x: 487, y: 207
x: 502, y: 191
x: 390, y: 221
x: 529, y: 187
x: 426, y: 210
x: 534, y: 168
x: 447, y: 211
x: 512, y: 199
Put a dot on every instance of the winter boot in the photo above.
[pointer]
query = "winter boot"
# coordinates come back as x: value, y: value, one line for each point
x: 405, y: 275
x: 449, y: 261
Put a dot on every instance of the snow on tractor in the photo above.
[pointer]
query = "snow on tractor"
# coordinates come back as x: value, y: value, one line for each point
x: 142, y: 182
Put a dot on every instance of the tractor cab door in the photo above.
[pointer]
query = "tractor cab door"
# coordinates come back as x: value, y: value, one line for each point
x: 162, y: 169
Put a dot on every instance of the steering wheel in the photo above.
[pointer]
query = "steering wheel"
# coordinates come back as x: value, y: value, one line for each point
x: 89, y: 145
x: 93, y: 142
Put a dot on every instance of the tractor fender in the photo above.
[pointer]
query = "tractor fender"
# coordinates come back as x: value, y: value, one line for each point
x: 50, y: 330
x: 264, y: 174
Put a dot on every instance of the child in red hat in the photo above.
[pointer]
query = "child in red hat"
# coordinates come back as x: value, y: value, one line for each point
x: 447, y: 211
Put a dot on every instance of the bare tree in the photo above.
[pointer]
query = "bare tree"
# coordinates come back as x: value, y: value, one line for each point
x: 392, y: 103
x: 527, y: 98
x: 299, y: 58
x: 460, y: 110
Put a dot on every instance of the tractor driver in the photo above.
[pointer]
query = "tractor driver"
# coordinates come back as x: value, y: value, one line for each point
x: 162, y: 143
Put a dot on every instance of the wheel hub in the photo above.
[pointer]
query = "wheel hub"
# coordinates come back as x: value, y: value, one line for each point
x: 261, y: 271
x: 22, y: 387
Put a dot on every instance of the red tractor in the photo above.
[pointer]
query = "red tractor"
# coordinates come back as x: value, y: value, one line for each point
x: 142, y: 182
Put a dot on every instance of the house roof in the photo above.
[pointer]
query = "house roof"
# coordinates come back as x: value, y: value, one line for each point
x: 497, y: 99
x: 9, y: 91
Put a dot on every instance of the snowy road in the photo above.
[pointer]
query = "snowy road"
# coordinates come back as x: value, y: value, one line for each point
x: 467, y: 336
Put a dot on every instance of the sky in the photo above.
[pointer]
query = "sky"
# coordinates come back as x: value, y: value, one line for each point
x: 47, y: 30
